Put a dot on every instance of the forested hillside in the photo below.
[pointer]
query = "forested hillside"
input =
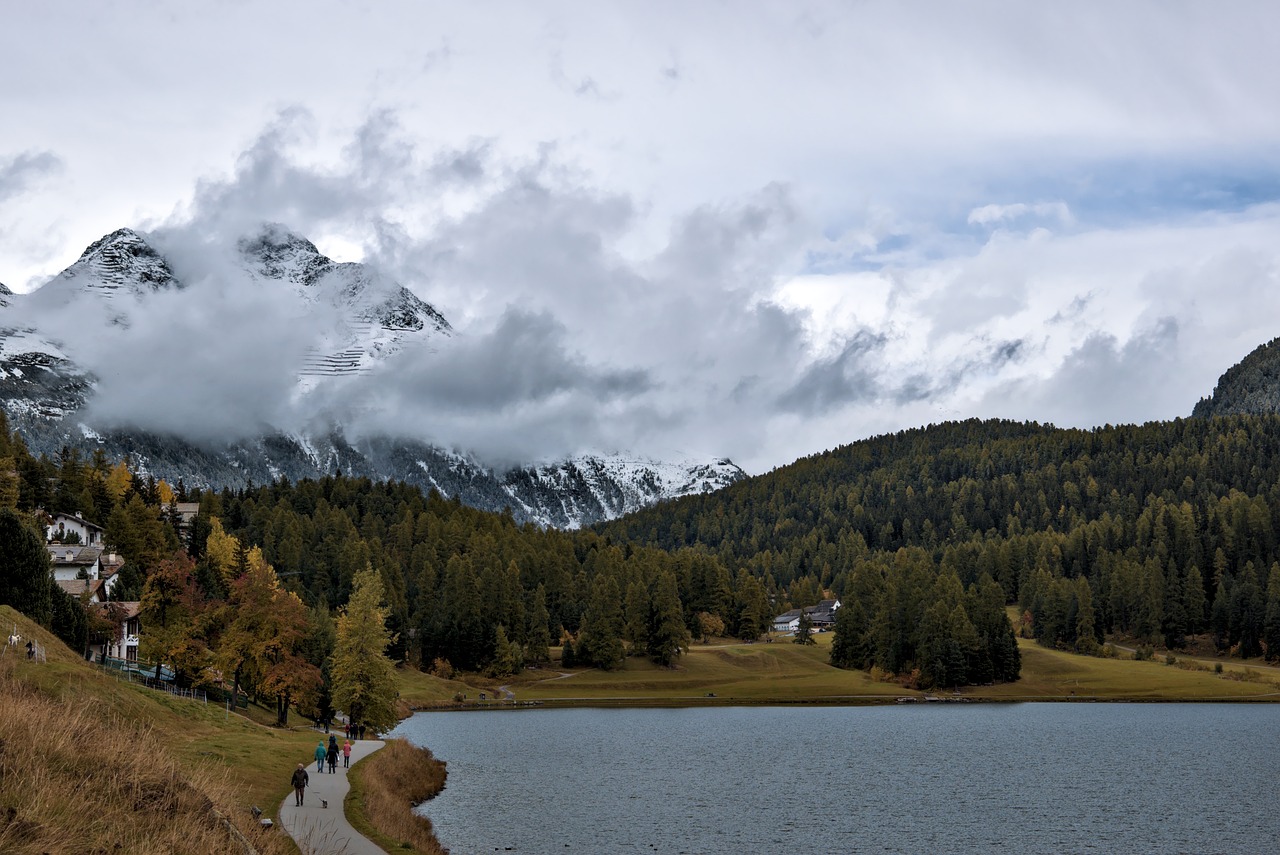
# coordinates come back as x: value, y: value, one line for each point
x: 1155, y: 531
x: 1250, y: 387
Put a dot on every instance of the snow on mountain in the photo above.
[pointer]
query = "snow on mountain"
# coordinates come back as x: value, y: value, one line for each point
x: 377, y: 316
x: 604, y: 487
x: 121, y: 262
x: 358, y: 318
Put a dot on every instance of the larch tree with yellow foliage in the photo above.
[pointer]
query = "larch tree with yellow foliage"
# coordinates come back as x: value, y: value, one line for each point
x: 364, y: 685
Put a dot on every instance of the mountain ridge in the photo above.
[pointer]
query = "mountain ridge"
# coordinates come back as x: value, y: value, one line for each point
x: 47, y: 394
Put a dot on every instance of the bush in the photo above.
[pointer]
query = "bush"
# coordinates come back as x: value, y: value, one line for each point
x: 1143, y: 653
x: 1217, y: 667
x: 1171, y: 660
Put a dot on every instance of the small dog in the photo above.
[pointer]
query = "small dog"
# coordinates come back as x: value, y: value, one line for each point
x: 324, y: 803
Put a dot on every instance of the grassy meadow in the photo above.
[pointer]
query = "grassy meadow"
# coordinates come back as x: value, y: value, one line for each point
x: 732, y: 672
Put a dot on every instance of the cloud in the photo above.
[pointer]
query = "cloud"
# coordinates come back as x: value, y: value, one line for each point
x: 989, y: 215
x: 846, y: 378
x: 19, y: 173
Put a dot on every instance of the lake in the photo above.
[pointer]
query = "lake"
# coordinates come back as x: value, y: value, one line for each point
x: 938, y: 778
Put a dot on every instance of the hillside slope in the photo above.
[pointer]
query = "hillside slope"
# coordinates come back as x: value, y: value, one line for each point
x: 91, y: 764
x: 1250, y: 387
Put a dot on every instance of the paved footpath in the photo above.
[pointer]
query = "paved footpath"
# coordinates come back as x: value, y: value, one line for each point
x: 325, y: 831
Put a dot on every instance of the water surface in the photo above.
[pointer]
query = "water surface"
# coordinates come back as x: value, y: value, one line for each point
x: 1023, y: 778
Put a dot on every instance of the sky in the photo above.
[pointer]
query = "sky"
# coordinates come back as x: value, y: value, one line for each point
x: 756, y: 230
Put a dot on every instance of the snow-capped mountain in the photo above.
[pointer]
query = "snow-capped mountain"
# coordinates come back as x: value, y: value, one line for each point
x: 355, y: 320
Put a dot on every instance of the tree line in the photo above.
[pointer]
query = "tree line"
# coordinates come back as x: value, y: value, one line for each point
x: 1156, y: 532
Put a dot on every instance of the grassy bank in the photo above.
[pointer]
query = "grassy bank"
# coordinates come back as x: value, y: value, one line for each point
x: 385, y: 787
x: 90, y: 763
x: 782, y: 672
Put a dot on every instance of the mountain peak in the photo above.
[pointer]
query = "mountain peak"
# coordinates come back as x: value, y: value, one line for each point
x: 275, y: 252
x: 121, y: 259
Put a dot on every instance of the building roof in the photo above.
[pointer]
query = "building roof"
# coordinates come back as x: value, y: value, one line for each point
x: 123, y: 610
x: 77, y: 587
x: 76, y: 518
x: 73, y: 555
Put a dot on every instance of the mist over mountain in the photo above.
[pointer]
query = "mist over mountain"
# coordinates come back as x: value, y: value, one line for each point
x: 240, y: 361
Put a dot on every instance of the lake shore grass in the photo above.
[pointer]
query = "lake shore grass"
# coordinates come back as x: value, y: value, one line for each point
x: 385, y: 787
x: 729, y: 672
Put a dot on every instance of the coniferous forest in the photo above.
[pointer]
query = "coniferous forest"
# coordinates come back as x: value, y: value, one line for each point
x: 1158, y: 533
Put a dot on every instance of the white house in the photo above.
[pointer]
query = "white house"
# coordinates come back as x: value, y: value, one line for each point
x: 821, y: 615
x: 72, y: 561
x: 123, y: 643
x: 73, y: 527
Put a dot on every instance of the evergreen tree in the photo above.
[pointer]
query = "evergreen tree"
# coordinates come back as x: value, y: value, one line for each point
x: 538, y: 634
x: 363, y: 677
x: 669, y: 635
x: 600, y: 639
x: 851, y: 646
x: 804, y: 630
x: 636, y: 618
x: 24, y: 568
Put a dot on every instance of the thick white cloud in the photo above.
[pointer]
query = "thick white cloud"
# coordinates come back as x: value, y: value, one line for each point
x: 753, y: 231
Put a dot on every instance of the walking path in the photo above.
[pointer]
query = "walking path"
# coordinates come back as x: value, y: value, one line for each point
x: 325, y: 831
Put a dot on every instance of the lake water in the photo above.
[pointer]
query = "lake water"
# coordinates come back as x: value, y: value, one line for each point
x: 1017, y: 778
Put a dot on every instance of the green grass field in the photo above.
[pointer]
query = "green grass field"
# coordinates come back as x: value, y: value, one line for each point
x: 783, y: 672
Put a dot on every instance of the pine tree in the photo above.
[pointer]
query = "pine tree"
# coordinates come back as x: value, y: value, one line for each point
x: 538, y: 634
x: 363, y: 677
x: 851, y: 646
x: 668, y: 635
x: 24, y: 576
x: 600, y: 639
x: 637, y: 618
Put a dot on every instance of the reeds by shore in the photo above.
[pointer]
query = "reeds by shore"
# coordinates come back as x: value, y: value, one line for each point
x: 386, y: 786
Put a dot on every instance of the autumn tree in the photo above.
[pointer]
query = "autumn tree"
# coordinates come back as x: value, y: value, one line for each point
x: 363, y: 677
x: 174, y: 612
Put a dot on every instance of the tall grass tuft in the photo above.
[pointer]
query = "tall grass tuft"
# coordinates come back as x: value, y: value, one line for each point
x: 386, y: 786
x: 76, y: 778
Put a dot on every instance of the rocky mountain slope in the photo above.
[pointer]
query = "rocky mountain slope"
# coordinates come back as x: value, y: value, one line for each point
x: 1251, y: 386
x: 357, y: 319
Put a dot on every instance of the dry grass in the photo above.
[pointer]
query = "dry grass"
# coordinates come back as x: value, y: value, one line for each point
x: 78, y: 779
x: 385, y: 787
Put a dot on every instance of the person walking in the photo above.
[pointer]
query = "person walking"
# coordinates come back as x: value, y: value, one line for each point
x: 333, y: 756
x: 300, y: 781
x: 346, y: 754
x: 321, y: 753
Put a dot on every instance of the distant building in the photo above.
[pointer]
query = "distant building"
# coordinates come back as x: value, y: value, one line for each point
x: 123, y: 641
x: 73, y: 528
x: 820, y: 616
x: 92, y: 590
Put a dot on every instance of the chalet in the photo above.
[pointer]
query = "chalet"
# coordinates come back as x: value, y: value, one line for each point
x: 91, y: 591
x: 72, y: 528
x: 123, y: 642
x: 820, y: 616
x: 187, y: 511
x: 72, y: 561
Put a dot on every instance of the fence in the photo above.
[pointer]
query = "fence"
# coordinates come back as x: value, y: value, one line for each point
x: 137, y: 672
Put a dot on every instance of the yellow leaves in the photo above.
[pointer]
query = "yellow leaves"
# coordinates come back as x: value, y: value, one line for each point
x: 118, y: 480
x: 221, y: 550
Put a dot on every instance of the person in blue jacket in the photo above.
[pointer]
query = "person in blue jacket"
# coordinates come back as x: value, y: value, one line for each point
x: 321, y: 753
